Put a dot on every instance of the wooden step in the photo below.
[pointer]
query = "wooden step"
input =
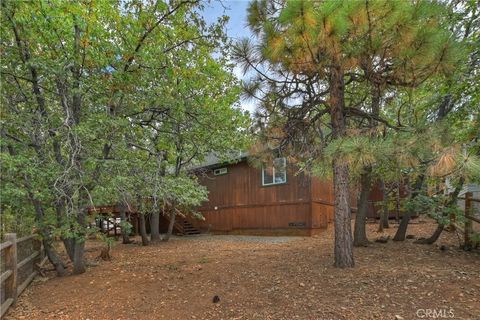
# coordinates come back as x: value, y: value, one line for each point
x: 189, y: 229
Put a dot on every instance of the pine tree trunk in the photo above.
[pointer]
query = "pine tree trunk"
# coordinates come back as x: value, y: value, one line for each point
x: 343, y: 225
x: 380, y: 224
x: 170, y: 225
x: 397, y: 203
x: 360, y: 235
x: 434, y: 237
x: 402, y: 228
x: 438, y: 231
x: 123, y: 218
x: 383, y: 223
x: 143, y: 230
x: 343, y: 233
x: 155, y: 226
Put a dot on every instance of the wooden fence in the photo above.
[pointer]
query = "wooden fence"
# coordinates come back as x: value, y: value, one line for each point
x: 16, y: 275
x: 471, y: 224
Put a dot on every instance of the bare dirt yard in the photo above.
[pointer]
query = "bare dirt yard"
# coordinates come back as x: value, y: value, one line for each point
x: 265, y: 278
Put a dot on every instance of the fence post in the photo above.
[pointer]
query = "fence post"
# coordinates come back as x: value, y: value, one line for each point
x: 11, y: 264
x: 468, y: 221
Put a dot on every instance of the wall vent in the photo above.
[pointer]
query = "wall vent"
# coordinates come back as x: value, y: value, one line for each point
x: 297, y: 224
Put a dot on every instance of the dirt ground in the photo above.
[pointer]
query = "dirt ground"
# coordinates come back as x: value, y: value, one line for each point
x: 265, y: 278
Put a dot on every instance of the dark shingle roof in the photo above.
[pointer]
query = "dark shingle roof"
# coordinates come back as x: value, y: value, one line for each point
x: 212, y: 159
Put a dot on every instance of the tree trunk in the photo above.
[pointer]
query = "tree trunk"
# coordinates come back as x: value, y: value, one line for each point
x: 434, y: 237
x: 69, y: 244
x: 384, y: 215
x: 78, y: 256
x: 123, y: 218
x: 360, y: 235
x: 380, y: 224
x: 443, y: 110
x: 155, y: 218
x: 397, y: 202
x: 384, y: 221
x: 54, y: 258
x: 402, y: 228
x: 452, y: 201
x: 45, y: 233
x: 343, y: 226
x: 155, y: 226
x: 143, y: 230
x: 170, y: 225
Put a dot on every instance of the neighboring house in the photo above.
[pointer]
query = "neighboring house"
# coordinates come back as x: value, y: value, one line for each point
x: 474, y: 189
x: 471, y: 187
x: 269, y: 200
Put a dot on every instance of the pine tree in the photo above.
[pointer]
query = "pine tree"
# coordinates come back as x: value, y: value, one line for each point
x: 311, y: 61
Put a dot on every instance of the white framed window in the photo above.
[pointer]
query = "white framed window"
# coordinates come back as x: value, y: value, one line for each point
x: 220, y: 171
x: 275, y: 173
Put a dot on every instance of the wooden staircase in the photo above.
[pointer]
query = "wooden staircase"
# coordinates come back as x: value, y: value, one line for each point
x: 185, y: 228
x: 189, y: 229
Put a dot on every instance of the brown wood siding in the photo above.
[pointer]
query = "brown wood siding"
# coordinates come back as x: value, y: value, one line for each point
x: 242, y: 185
x: 322, y: 214
x: 243, y: 203
x: 323, y: 200
x: 262, y: 217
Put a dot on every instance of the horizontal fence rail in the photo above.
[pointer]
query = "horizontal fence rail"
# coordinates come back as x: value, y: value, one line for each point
x: 9, y: 278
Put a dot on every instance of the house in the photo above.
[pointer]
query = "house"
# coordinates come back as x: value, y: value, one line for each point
x: 273, y: 199
x: 270, y: 200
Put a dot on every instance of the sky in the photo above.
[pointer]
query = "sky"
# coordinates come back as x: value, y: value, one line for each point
x: 236, y: 28
x: 236, y: 10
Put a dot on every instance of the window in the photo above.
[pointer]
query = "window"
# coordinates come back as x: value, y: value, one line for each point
x: 276, y: 173
x: 220, y: 171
